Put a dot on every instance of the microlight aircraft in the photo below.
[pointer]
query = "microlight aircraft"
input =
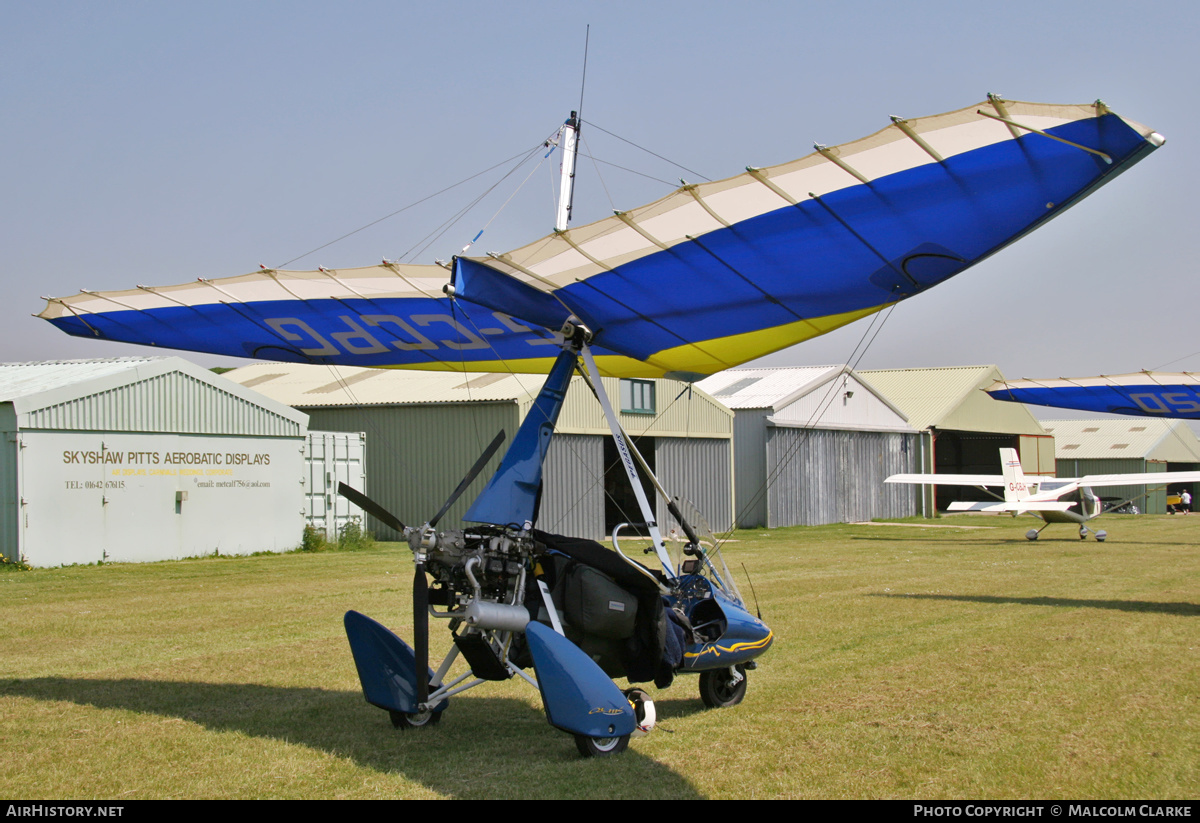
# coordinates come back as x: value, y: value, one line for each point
x: 704, y: 279
x: 1053, y: 499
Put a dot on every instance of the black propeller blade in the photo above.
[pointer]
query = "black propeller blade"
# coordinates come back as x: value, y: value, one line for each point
x: 368, y: 505
x: 421, y: 584
x: 470, y: 475
x: 421, y: 631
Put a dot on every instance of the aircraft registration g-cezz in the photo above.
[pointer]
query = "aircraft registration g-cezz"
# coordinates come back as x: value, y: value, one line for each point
x: 1053, y: 499
x: 709, y: 277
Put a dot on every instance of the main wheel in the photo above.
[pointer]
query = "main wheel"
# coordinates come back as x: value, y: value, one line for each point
x: 601, y: 746
x: 719, y: 688
x: 401, y: 720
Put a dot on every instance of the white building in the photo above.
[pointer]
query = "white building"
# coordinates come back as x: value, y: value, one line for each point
x: 813, y: 445
x: 139, y: 459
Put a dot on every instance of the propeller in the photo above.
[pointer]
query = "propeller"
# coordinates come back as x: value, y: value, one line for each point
x: 370, y: 507
x: 469, y: 476
x: 420, y: 540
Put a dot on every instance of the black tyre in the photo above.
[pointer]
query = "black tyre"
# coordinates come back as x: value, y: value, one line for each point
x: 601, y: 746
x: 718, y: 689
x: 400, y: 720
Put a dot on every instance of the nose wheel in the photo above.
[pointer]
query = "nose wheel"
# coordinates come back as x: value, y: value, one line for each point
x: 600, y: 746
x: 723, y: 687
x: 403, y: 720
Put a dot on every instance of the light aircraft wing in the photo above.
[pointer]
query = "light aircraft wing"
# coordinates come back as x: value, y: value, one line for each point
x: 948, y: 479
x: 709, y: 277
x: 1060, y: 486
x: 1022, y: 506
x: 1144, y: 394
x: 1097, y: 481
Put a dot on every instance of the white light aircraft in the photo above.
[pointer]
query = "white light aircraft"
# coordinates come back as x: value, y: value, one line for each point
x: 1053, y: 499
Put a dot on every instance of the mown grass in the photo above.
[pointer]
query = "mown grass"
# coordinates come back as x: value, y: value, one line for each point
x: 908, y: 662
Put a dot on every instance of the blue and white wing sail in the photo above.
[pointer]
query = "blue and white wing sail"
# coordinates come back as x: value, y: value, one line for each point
x: 709, y: 277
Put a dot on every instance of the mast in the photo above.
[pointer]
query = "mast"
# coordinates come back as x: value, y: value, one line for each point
x: 566, y: 186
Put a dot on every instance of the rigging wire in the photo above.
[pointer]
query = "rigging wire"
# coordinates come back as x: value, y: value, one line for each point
x: 438, y: 232
x: 1176, y: 360
x: 596, y: 163
x: 856, y: 356
x: 594, y: 159
x: 404, y: 209
x: 642, y: 148
x: 503, y: 205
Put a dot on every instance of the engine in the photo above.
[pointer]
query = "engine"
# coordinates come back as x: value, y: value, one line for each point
x: 479, y: 574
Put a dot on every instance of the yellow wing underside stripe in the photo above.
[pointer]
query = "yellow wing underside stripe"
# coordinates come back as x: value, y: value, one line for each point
x: 704, y: 358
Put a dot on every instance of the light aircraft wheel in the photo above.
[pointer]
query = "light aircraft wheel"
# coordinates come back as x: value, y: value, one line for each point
x: 1032, y: 534
x: 601, y: 746
x: 1083, y: 532
x: 1100, y: 536
x: 402, y: 720
x: 719, y: 688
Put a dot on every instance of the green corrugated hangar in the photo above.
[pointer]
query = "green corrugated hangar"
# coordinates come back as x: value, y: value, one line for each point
x: 138, y: 459
x: 962, y: 426
x: 425, y: 429
x: 1130, y: 445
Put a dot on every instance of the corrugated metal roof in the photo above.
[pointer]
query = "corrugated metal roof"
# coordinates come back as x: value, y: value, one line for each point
x: 1144, y: 438
x: 301, y: 385
x: 811, y: 397
x: 952, y: 398
x: 19, y: 380
x: 150, y: 394
x: 765, y: 388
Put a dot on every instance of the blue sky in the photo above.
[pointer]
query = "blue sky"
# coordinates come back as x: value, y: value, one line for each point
x: 153, y: 143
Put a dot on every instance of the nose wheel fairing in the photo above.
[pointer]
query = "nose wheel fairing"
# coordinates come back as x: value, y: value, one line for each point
x: 579, y: 697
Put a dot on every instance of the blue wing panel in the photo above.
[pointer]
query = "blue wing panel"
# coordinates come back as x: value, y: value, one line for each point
x: 378, y: 332
x: 863, y: 246
x: 1149, y: 400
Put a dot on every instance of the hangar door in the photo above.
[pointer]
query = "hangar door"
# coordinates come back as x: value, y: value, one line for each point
x: 959, y: 452
x: 828, y: 476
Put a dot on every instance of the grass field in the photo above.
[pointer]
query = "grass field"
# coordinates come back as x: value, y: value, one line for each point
x: 909, y: 662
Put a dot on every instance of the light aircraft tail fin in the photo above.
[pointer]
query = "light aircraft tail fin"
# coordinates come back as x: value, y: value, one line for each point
x: 1015, y: 487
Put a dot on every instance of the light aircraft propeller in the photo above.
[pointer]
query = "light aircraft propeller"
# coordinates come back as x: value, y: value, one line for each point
x: 416, y: 538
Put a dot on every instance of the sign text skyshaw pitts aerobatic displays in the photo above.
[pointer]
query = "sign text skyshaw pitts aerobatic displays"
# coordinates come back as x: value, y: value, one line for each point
x: 154, y: 458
